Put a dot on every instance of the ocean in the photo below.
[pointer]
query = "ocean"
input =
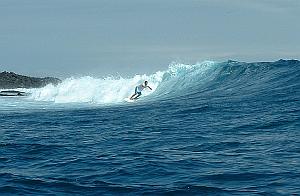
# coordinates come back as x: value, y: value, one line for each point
x: 210, y: 128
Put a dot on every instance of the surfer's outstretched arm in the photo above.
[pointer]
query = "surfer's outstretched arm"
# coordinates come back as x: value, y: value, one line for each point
x: 149, y: 87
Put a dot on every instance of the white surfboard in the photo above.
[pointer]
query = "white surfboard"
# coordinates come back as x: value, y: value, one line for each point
x: 129, y: 100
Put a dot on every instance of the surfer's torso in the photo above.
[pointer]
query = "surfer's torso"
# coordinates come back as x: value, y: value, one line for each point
x: 140, y: 88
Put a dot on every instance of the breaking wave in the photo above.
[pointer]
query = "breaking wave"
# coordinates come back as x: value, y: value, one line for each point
x: 227, y: 78
x: 114, y: 90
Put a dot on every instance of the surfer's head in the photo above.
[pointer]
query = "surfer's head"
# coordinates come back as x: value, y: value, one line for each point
x: 146, y: 82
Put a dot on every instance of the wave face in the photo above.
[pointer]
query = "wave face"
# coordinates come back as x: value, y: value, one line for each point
x: 228, y: 78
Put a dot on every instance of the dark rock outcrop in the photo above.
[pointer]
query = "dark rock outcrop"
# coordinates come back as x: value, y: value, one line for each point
x: 10, y: 80
x: 12, y: 93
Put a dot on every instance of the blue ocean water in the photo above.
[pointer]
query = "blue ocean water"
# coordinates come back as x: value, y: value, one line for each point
x: 228, y: 128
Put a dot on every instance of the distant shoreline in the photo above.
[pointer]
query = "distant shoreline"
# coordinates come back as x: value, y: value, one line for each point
x: 11, y: 80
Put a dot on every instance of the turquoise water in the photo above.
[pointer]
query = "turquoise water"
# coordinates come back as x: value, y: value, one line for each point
x: 228, y: 128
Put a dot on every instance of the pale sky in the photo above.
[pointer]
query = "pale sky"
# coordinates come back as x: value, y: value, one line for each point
x: 65, y: 38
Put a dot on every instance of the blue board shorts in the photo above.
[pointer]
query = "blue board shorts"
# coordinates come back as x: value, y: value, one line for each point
x: 137, y: 92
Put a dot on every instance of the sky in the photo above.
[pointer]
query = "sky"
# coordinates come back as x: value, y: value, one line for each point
x: 64, y: 38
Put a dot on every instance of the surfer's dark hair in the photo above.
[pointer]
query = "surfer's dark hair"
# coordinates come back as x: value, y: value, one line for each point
x: 146, y: 82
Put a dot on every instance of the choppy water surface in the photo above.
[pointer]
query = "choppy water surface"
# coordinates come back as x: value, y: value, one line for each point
x: 211, y: 128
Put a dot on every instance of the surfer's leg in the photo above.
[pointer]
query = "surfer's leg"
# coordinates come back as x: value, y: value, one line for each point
x: 139, y: 94
x: 133, y: 96
x: 135, y: 93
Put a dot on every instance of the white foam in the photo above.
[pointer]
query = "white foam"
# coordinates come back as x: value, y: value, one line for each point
x: 88, y: 89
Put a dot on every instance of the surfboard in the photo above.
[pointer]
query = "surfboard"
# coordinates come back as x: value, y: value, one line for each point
x: 129, y: 100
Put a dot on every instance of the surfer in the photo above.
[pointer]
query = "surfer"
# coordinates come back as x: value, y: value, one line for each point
x: 138, y: 90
